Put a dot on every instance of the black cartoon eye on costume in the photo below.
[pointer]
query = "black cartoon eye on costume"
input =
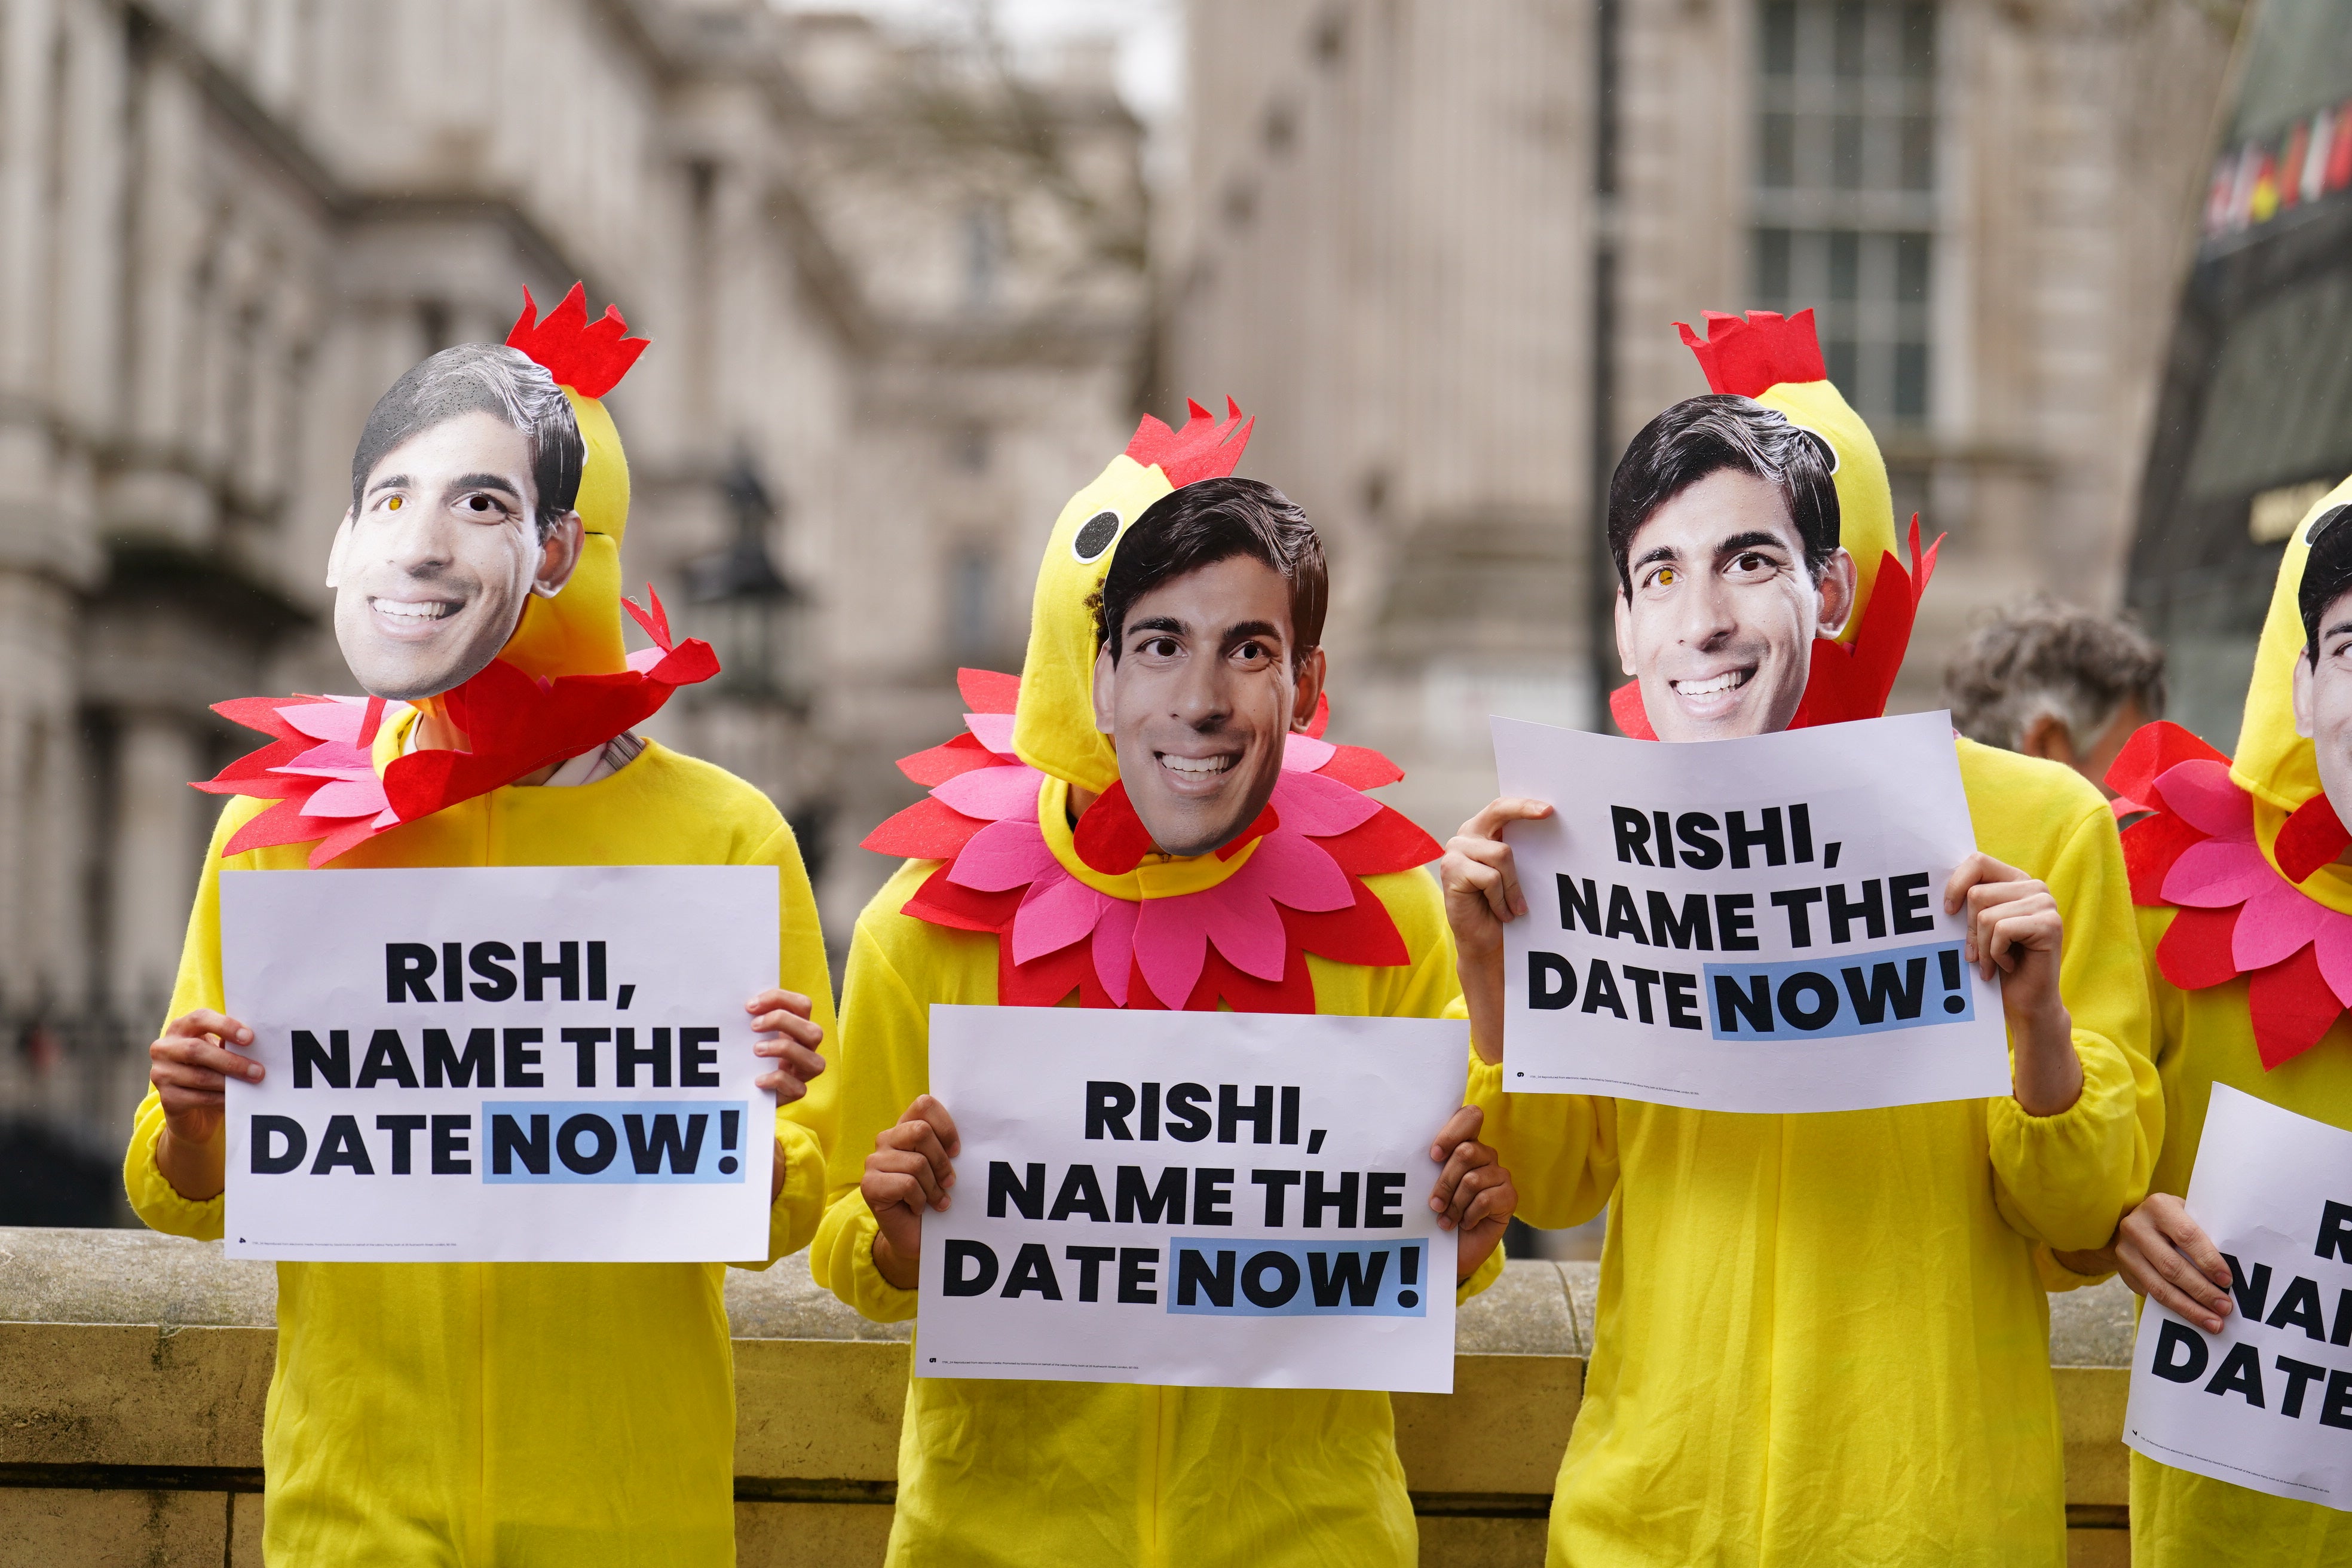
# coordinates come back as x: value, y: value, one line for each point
x: 1094, y: 535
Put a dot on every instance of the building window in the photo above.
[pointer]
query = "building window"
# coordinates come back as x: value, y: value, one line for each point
x: 968, y: 448
x: 983, y: 255
x: 1845, y: 191
x: 971, y: 604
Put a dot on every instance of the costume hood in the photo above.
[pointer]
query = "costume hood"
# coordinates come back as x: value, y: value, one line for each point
x: 1091, y: 907
x: 1776, y: 361
x: 1054, y: 730
x: 577, y: 632
x: 2246, y: 849
x: 561, y: 685
x: 2274, y: 764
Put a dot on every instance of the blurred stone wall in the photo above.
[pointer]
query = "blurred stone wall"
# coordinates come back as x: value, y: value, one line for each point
x: 896, y: 294
x: 135, y: 1368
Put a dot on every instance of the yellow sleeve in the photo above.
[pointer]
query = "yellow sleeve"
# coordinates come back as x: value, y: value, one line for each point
x: 1428, y: 987
x: 2065, y: 1180
x: 800, y: 1141
x: 1560, y: 1149
x: 2168, y: 1027
x: 884, y: 1062
x: 2056, y: 1277
x: 198, y: 985
x: 1486, y: 1274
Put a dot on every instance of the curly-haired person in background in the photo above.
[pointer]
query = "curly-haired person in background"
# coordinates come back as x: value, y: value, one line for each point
x: 2053, y: 680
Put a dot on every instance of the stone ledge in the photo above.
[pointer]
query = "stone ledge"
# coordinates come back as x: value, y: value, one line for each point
x: 141, y: 1276
x: 2092, y: 1326
x: 1537, y: 1308
x: 135, y: 1368
x: 130, y: 1277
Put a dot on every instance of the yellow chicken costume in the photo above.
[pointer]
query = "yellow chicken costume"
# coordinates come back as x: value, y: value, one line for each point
x: 472, y: 1415
x: 1821, y: 1338
x: 2246, y: 947
x: 1048, y: 911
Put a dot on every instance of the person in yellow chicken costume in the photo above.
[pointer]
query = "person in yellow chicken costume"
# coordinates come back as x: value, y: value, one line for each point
x: 472, y: 1414
x: 1147, y: 817
x: 2248, y: 943
x: 1822, y: 1337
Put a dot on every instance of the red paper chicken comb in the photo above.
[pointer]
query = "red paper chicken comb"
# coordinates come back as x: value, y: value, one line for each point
x: 589, y: 357
x: 1207, y: 449
x: 1752, y: 357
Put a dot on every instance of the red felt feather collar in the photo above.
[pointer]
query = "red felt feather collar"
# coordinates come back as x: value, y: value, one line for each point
x: 320, y: 766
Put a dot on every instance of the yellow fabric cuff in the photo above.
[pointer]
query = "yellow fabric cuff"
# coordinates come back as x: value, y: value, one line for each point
x: 2056, y: 1277
x: 800, y: 1203
x: 1486, y: 1274
x: 152, y: 1196
x: 1484, y: 1084
x: 842, y: 1262
x: 2065, y: 1180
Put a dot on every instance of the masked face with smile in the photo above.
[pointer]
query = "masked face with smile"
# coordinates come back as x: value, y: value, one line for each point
x: 2323, y: 677
x: 1720, y: 622
x: 1204, y: 669
x: 1723, y: 519
x: 452, y: 527
x: 431, y: 573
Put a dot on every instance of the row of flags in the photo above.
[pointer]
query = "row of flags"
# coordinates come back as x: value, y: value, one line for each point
x: 2260, y: 180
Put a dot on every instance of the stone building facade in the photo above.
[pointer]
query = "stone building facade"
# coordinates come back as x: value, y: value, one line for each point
x: 1440, y: 248
x: 896, y: 299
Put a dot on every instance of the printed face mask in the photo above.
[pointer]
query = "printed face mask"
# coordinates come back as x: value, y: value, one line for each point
x: 1200, y: 701
x: 1719, y: 623
x: 432, y: 570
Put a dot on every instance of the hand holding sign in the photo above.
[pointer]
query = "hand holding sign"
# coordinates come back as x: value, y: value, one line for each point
x: 2166, y: 1256
x: 1481, y: 880
x: 2016, y: 932
x: 192, y: 1063
x: 908, y: 1172
x: 791, y: 1037
x: 785, y: 1014
x: 1475, y: 1195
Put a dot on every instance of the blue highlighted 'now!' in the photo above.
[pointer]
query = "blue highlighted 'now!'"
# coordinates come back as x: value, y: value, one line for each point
x: 1268, y: 1278
x: 1824, y: 998
x: 614, y: 1141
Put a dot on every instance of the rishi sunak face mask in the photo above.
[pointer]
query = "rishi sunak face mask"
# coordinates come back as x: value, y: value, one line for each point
x: 434, y: 565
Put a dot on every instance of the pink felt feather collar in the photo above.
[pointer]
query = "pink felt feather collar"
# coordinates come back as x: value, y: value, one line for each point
x: 2197, y: 848
x: 1072, y: 911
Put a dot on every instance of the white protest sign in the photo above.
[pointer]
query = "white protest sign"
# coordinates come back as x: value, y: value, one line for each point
x: 546, y: 1064
x: 1745, y: 925
x: 2266, y: 1404
x: 1212, y: 1200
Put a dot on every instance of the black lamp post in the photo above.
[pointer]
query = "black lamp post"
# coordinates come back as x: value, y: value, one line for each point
x: 748, y: 609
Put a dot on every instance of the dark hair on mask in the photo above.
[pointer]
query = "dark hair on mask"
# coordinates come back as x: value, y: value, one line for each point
x: 2326, y: 573
x: 482, y: 378
x: 1705, y: 435
x: 1205, y: 523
